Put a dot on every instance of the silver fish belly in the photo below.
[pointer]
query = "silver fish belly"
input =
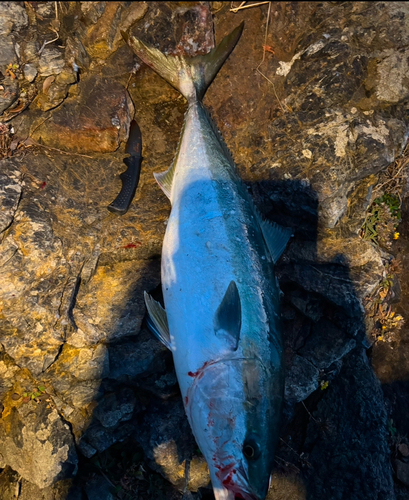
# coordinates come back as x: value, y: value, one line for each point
x: 221, y: 296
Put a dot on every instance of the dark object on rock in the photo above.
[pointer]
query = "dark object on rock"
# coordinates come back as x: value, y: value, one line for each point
x: 130, y: 177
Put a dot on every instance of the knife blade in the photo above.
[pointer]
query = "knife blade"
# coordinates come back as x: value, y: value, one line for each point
x: 130, y: 177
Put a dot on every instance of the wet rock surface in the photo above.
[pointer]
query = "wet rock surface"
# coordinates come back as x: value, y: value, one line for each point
x: 90, y: 406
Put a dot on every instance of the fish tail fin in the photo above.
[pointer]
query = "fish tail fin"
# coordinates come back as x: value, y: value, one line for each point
x: 191, y: 76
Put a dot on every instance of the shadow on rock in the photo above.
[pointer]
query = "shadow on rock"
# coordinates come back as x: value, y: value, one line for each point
x: 334, y: 433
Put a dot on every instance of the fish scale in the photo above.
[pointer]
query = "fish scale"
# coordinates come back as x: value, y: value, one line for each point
x: 220, y: 293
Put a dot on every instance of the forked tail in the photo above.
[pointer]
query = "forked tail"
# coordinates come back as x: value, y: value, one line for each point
x: 191, y: 76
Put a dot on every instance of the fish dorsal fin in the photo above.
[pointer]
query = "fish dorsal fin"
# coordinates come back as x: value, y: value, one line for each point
x: 275, y: 236
x: 157, y: 320
x: 227, y: 320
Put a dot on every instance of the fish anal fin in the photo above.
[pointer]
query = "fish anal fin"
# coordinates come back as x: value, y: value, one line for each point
x: 165, y: 179
x: 157, y: 321
x: 227, y: 320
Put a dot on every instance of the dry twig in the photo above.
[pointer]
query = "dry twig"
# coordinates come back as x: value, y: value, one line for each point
x: 243, y: 6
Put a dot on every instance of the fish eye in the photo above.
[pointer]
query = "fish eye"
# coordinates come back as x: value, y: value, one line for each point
x: 251, y: 449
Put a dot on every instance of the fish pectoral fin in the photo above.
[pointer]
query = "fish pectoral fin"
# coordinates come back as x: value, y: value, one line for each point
x: 157, y: 320
x: 275, y: 236
x: 227, y: 320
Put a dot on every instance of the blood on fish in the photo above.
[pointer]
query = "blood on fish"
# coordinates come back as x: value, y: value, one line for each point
x: 43, y: 185
x: 186, y: 400
x: 199, y: 373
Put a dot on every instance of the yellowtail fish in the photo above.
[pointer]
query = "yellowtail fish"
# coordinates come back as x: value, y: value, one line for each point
x: 222, y: 320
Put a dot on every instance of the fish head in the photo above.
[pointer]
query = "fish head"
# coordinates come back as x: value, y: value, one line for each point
x: 234, y: 410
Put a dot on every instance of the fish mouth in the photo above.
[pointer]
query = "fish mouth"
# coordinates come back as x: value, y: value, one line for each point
x: 235, y: 485
x: 239, y: 494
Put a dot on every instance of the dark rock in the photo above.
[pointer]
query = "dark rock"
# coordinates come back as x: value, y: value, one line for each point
x: 301, y: 379
x: 133, y: 360
x: 99, y: 488
x: 310, y: 305
x: 98, y: 438
x: 167, y: 441
x: 347, y: 438
x: 326, y: 345
x: 116, y: 407
x: 402, y: 471
x: 98, y: 122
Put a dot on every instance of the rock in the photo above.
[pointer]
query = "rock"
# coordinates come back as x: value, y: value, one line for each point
x: 402, y: 471
x: 75, y: 128
x: 7, y: 54
x: 132, y: 360
x: 92, y: 11
x: 347, y: 438
x: 98, y: 488
x: 8, y: 92
x: 309, y: 147
x: 115, y: 408
x: 51, y: 62
x: 168, y: 442
x: 311, y: 306
x: 13, y: 17
x: 326, y: 345
x: 98, y: 438
x: 404, y: 450
x: 105, y: 37
x: 10, y: 192
x: 301, y: 379
x: 30, y: 72
x: 190, y: 31
x: 76, y: 374
x: 36, y: 442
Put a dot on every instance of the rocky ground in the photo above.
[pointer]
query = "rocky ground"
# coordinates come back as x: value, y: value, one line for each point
x: 313, y: 104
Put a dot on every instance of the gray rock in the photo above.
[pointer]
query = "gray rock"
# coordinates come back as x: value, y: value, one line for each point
x: 30, y: 72
x: 402, y: 471
x: 116, y: 407
x: 100, y: 438
x: 10, y: 192
x: 326, y: 345
x: 13, y: 17
x: 8, y: 93
x: 301, y: 380
x: 7, y: 53
x: 37, y: 443
x: 51, y: 62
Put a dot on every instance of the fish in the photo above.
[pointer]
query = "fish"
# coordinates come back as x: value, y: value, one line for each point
x: 221, y: 318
